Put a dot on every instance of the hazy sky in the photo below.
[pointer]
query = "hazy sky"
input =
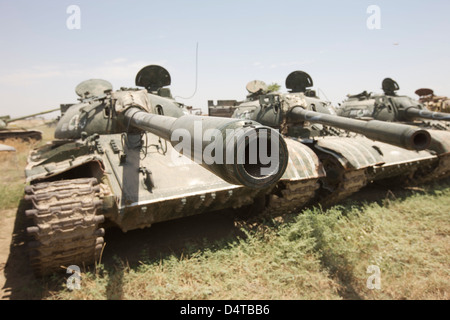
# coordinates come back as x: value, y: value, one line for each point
x: 42, y: 60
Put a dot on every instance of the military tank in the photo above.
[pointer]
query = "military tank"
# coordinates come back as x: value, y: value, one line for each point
x: 391, y: 107
x: 433, y: 102
x: 134, y: 157
x: 351, y: 153
x: 222, y: 108
x: 23, y: 134
x: 225, y: 108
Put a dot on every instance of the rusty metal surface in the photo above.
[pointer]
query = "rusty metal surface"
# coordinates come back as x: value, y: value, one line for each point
x: 65, y: 224
x: 353, y: 153
x: 300, y: 182
x: 303, y: 162
x: 20, y: 134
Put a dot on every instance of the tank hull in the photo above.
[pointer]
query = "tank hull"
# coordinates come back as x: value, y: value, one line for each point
x: 20, y: 134
x: 133, y: 193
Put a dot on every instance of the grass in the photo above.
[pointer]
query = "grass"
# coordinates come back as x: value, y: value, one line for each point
x: 13, y: 177
x: 13, y: 164
x: 313, y: 254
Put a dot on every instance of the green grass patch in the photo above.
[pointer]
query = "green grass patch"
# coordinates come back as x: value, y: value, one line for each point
x: 11, y: 195
x: 315, y: 255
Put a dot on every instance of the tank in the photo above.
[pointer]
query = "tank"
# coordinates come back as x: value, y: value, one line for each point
x: 222, y: 108
x: 134, y: 157
x: 23, y: 134
x: 351, y: 152
x: 433, y: 102
x: 226, y: 108
x: 391, y: 107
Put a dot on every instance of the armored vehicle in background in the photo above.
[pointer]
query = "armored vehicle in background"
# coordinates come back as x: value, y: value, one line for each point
x: 23, y: 134
x: 391, y: 107
x: 433, y: 102
x: 116, y: 160
x: 352, y: 152
x: 223, y: 108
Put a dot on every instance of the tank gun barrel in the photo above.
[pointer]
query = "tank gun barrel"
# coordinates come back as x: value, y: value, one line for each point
x: 426, y: 114
x: 32, y: 115
x: 230, y: 148
x: 404, y: 136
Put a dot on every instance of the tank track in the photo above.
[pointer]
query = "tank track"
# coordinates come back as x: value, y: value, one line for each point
x: 352, y: 181
x: 327, y: 191
x: 291, y: 196
x: 22, y: 135
x: 295, y: 195
x: 65, y: 224
x: 339, y: 183
x: 441, y: 171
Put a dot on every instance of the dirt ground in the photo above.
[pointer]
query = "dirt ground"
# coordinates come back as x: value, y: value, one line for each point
x: 6, y: 230
x: 14, y: 265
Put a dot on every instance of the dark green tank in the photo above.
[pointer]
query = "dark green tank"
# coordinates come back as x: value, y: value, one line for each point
x: 116, y: 160
x: 389, y: 106
x: 352, y: 152
x: 433, y: 102
x: 23, y: 134
x: 392, y: 107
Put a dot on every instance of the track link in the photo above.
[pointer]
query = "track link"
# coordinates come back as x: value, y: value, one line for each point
x: 339, y: 182
x: 291, y: 196
x: 441, y: 171
x: 65, y: 224
x: 351, y: 182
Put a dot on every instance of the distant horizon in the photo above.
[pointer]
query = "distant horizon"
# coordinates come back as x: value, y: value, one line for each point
x: 45, y: 53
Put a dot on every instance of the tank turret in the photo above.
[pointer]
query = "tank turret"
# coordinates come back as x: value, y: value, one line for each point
x: 137, y: 111
x: 301, y: 105
x: 231, y: 136
x: 388, y: 106
x: 392, y: 107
